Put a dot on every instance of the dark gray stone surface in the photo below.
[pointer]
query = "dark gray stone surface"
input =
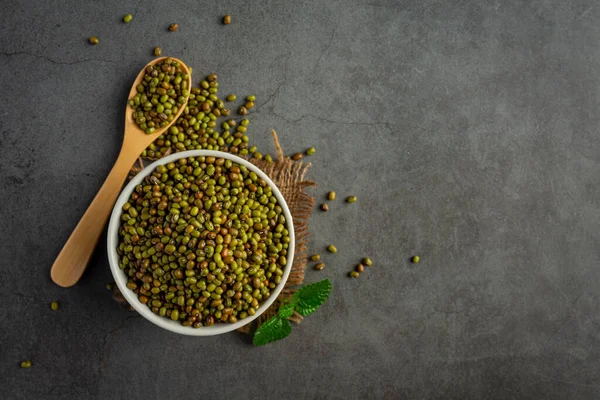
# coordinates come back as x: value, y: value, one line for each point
x: 468, y: 130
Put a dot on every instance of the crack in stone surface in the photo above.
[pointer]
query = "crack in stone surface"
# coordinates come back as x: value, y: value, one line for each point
x: 51, y: 60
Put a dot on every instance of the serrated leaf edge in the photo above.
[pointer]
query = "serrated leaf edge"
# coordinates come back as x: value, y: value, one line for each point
x: 282, y: 333
x: 302, y: 307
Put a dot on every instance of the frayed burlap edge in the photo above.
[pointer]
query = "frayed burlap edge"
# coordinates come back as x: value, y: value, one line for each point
x: 289, y: 176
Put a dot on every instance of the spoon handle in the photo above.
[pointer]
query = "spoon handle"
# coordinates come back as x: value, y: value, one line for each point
x: 76, y: 253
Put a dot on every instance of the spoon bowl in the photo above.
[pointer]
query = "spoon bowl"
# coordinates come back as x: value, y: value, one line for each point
x: 77, y: 251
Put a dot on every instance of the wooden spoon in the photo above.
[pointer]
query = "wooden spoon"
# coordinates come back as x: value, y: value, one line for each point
x: 75, y: 255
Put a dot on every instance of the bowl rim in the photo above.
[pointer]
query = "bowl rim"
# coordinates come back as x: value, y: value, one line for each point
x: 121, y: 278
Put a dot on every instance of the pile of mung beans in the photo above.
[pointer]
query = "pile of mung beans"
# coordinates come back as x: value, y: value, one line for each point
x: 206, y: 123
x: 160, y: 95
x: 203, y: 240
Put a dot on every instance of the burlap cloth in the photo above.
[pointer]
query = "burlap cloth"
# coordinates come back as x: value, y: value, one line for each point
x: 289, y: 177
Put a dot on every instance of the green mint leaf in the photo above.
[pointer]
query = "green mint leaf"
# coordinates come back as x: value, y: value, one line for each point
x: 286, y: 310
x: 309, y: 298
x: 272, y: 330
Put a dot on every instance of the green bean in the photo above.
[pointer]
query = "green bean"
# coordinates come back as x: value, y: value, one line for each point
x: 351, y: 199
x: 231, y: 97
x: 331, y: 195
x: 332, y: 249
x: 310, y: 151
x: 367, y: 261
x: 127, y: 18
x: 54, y: 305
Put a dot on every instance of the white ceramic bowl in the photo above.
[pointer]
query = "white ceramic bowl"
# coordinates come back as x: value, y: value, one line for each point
x: 121, y: 278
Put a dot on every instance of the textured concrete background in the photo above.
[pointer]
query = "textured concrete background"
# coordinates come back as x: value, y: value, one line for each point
x: 468, y: 130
